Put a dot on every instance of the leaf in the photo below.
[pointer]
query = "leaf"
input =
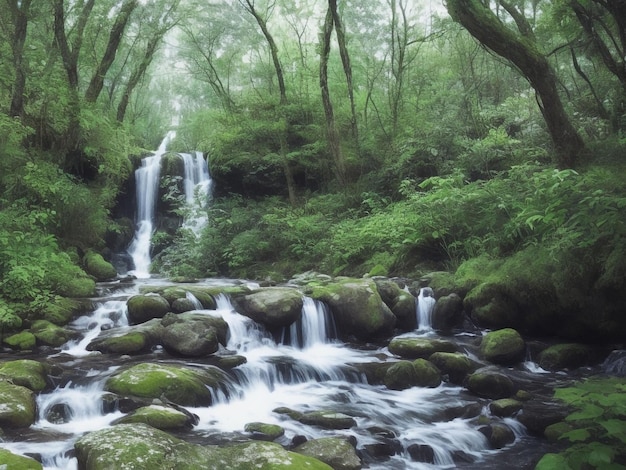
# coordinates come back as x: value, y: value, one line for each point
x: 615, y: 428
x: 553, y: 462
x: 577, y: 435
x: 588, y: 412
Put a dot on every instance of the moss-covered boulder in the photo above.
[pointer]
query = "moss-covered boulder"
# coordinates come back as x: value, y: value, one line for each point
x: 406, y: 374
x: 413, y: 347
x: 456, y: 366
x: 180, y: 296
x: 505, y: 407
x: 504, y: 346
x: 96, y: 266
x: 18, y: 408
x: 335, y: 451
x: 565, y: 356
x: 142, y: 308
x: 60, y: 311
x: 10, y: 461
x: 448, y: 313
x: 193, y: 334
x: 498, y: 435
x: 49, y: 334
x: 427, y: 374
x: 264, y: 431
x: 25, y: 372
x: 142, y: 447
x: 327, y: 419
x: 357, y: 308
x: 491, y: 307
x: 274, y: 307
x: 22, y: 341
x: 181, y: 385
x: 160, y: 417
x: 490, y: 384
x: 131, y: 342
x: 401, y: 303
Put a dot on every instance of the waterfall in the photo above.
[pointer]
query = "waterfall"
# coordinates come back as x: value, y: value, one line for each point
x: 316, y: 326
x: 147, y: 182
x: 197, y: 185
x: 425, y: 305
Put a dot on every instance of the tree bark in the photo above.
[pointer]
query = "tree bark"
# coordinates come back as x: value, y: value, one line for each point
x: 20, y: 20
x: 523, y: 53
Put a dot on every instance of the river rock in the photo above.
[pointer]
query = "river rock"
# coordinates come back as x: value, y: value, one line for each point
x: 17, y: 406
x: 264, y: 431
x: 421, y: 453
x: 274, y: 307
x: 327, y: 419
x: 490, y: 384
x: 401, y: 303
x: 96, y: 266
x: 129, y: 343
x: 413, y: 348
x: 357, y: 308
x: 160, y: 417
x: 10, y: 461
x: 505, y: 407
x: 504, y: 347
x: 49, y: 334
x: 179, y: 295
x: 142, y: 308
x: 448, y: 313
x: 193, y: 334
x: 335, y: 451
x: 498, y: 435
x: 427, y: 374
x: 406, y: 374
x: 22, y: 341
x: 490, y: 307
x: 25, y: 372
x: 454, y: 365
x: 142, y: 447
x: 565, y: 356
x: 181, y: 385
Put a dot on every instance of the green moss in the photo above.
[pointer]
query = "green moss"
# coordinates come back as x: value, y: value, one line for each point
x: 565, y: 356
x: 125, y: 344
x: 22, y: 341
x: 266, y: 431
x: 18, y: 408
x: 49, y: 334
x: 96, y: 266
x: 504, y: 346
x: 159, y: 417
x: 427, y: 374
x: 25, y: 372
x: 12, y: 461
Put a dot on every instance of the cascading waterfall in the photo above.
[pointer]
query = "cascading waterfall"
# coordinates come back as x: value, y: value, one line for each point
x: 314, y: 327
x: 425, y: 305
x: 197, y: 185
x: 147, y: 181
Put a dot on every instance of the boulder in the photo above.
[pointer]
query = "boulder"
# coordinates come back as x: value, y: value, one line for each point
x: 30, y: 374
x: 448, y: 313
x: 405, y: 374
x: 193, y: 334
x: 427, y: 374
x: 49, y: 334
x: 490, y: 384
x: 498, y: 435
x: 414, y: 348
x: 504, y: 347
x: 455, y: 365
x: 421, y: 453
x: 565, y: 356
x: 490, y: 307
x: 142, y: 308
x: 357, y: 308
x: 179, y: 295
x: 18, y: 408
x: 505, y: 407
x: 274, y: 307
x: 181, y: 385
x: 11, y: 461
x: 264, y: 431
x: 96, y: 266
x: 142, y: 447
x: 22, y: 341
x: 401, y: 303
x: 327, y: 419
x: 131, y: 342
x: 334, y: 451
x: 160, y: 417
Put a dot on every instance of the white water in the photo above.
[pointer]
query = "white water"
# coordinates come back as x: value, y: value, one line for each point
x: 147, y: 190
x: 197, y: 186
x: 425, y: 305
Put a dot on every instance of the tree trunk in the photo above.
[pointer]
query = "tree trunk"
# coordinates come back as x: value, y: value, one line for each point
x: 521, y: 51
x: 20, y: 21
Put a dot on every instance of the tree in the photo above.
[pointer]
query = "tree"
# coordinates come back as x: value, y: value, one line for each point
x: 19, y: 13
x: 521, y: 49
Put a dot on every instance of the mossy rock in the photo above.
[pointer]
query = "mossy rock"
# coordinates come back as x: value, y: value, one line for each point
x: 77, y: 287
x: 160, y: 417
x: 401, y: 303
x: 61, y: 311
x: 490, y: 384
x: 499, y: 435
x: 505, y: 407
x: 27, y: 373
x: 327, y: 419
x: 178, y: 293
x: 260, y: 455
x: 264, y: 431
x: 49, y: 334
x: 22, y: 341
x: 274, y: 307
x: 181, y: 385
x: 335, y: 451
x: 491, y: 307
x: 96, y: 266
x: 11, y: 461
x: 427, y: 374
x: 18, y: 408
x: 455, y: 365
x: 565, y: 356
x: 142, y: 308
x: 414, y: 348
x: 448, y: 312
x: 505, y: 346
x: 400, y: 376
x: 129, y: 343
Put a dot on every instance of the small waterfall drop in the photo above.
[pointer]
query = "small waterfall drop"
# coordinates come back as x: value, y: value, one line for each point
x: 425, y: 305
x: 147, y: 181
x: 316, y: 326
x: 197, y: 185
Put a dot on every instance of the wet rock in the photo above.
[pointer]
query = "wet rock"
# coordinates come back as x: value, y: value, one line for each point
x: 25, y: 372
x: 274, y: 307
x: 413, y: 348
x: 504, y: 346
x: 142, y: 308
x: 183, y: 305
x: 95, y: 265
x: 615, y: 363
x: 181, y: 385
x: 160, y: 417
x: 334, y: 451
x: 469, y: 410
x: 401, y: 376
x: 505, y: 407
x: 537, y: 416
x: 264, y: 431
x: 565, y: 356
x: 421, y: 453
x: 22, y: 341
x: 17, y: 406
x: 59, y: 413
x: 328, y: 420
x: 401, y: 303
x: 230, y: 362
x: 357, y: 308
x: 498, y: 435
x: 192, y: 335
x: 178, y: 295
x: 10, y: 461
x: 448, y: 313
x: 143, y: 447
x: 49, y: 334
x: 490, y: 384
x: 129, y: 343
x: 490, y: 307
x: 427, y: 374
x: 455, y: 366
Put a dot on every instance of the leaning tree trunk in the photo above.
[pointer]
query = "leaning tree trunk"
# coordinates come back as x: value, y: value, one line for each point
x: 483, y: 24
